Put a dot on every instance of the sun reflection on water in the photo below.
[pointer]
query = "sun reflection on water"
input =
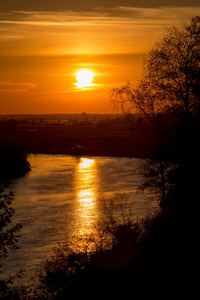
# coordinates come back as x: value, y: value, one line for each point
x: 86, y: 194
x: 86, y: 163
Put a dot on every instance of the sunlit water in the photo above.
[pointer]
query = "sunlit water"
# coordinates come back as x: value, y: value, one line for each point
x: 61, y: 198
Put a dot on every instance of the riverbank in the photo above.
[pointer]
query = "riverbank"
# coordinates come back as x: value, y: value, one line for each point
x: 13, y: 163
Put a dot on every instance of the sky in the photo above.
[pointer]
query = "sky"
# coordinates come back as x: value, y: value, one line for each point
x: 44, y: 43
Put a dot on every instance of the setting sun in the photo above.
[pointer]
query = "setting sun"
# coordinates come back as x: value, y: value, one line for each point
x: 84, y: 78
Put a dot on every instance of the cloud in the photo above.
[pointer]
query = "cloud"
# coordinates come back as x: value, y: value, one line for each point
x: 81, y: 6
x: 62, y: 18
x: 13, y: 87
x: 155, y: 13
x: 97, y: 30
x: 97, y: 16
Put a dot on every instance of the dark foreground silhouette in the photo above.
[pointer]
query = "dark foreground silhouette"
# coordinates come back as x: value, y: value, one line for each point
x: 156, y: 257
x: 13, y: 162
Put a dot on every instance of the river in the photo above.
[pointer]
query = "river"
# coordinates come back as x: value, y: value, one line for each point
x: 61, y: 197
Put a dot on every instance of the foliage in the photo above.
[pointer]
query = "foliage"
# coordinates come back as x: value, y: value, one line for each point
x: 13, y: 163
x: 171, y: 79
x: 60, y: 271
x: 8, y: 234
x: 168, y: 97
x: 8, y: 242
x: 159, y: 178
x: 76, y: 264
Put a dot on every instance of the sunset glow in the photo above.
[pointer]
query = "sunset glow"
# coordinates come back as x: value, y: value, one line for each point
x: 44, y: 46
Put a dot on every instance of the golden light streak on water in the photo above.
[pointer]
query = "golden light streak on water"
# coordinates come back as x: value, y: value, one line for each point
x: 86, y: 186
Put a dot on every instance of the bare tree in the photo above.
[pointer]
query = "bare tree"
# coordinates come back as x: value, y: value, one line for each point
x: 171, y: 77
x: 170, y: 87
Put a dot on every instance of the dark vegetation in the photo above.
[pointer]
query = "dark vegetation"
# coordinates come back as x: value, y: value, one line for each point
x: 84, y: 134
x: 157, y: 256
x: 13, y: 162
x: 9, y: 234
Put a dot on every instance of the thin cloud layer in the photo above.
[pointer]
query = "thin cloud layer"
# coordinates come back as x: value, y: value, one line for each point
x: 97, y: 15
x: 13, y: 87
x: 95, y: 31
x: 79, y: 5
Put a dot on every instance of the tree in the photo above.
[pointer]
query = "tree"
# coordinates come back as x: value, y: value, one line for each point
x: 169, y: 92
x: 8, y: 241
x: 8, y: 234
x: 173, y: 69
x: 171, y: 79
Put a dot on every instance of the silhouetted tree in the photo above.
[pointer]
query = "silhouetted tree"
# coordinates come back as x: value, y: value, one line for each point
x: 8, y: 234
x: 8, y: 242
x: 171, y: 78
x: 169, y: 89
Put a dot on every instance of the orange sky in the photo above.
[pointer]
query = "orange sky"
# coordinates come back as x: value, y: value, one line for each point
x: 42, y: 51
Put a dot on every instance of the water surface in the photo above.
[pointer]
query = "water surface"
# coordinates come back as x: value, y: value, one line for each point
x: 61, y: 198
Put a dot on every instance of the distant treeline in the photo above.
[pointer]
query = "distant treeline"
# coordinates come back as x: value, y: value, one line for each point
x: 58, y: 117
x: 100, y: 135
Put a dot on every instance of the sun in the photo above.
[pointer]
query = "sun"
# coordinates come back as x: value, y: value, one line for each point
x: 84, y: 78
